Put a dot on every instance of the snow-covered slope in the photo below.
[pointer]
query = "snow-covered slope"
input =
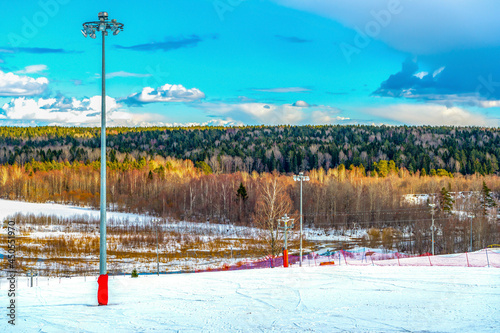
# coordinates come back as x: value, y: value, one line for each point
x: 315, y: 299
x: 11, y: 207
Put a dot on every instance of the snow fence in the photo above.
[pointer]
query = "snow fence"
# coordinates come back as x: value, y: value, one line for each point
x: 370, y: 257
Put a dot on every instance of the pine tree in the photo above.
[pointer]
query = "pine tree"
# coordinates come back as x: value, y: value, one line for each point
x: 487, y: 200
x: 242, y: 192
x: 446, y: 201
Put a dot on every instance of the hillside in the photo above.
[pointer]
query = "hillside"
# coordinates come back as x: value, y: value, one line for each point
x: 316, y: 299
x: 266, y: 148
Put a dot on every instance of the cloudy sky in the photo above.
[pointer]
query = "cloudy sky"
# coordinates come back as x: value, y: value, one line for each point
x: 234, y: 62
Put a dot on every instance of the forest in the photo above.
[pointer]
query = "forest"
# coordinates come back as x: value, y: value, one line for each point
x: 337, y: 199
x: 361, y: 177
x: 286, y: 149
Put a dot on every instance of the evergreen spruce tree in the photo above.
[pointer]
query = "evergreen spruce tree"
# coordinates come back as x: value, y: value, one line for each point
x: 487, y: 200
x: 241, y: 193
x: 446, y: 201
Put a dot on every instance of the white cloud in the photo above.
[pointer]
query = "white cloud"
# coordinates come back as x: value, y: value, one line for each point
x: 165, y: 93
x: 438, y: 71
x: 489, y: 104
x: 32, y: 69
x: 326, y: 117
x: 421, y: 75
x: 213, y: 122
x: 16, y: 85
x: 73, y: 112
x: 125, y: 74
x: 302, y: 104
x: 271, y: 114
x: 429, y: 114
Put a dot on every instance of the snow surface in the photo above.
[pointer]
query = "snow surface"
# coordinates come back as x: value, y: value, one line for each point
x: 11, y: 207
x: 308, y: 299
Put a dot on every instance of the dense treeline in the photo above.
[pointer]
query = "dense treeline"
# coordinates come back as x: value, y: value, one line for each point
x: 339, y: 198
x: 286, y: 149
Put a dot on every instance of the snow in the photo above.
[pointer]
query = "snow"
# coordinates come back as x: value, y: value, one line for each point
x: 11, y: 207
x: 352, y: 298
x: 314, y: 299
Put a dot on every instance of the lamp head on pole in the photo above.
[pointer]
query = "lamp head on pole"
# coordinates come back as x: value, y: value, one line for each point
x: 103, y: 16
x: 103, y: 25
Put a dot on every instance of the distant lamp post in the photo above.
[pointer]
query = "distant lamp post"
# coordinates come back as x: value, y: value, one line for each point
x: 285, y: 219
x: 157, y: 253
x: 432, y: 226
x: 89, y: 29
x: 300, y: 178
x: 470, y: 246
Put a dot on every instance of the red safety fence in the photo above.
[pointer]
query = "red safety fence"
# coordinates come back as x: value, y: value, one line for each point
x: 481, y: 258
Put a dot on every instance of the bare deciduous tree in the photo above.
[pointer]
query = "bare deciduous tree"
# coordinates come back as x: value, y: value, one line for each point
x: 273, y: 203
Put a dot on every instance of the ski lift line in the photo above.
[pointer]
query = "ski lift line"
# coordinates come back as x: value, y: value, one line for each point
x: 361, y: 213
x: 395, y: 210
x: 437, y: 193
x: 395, y: 221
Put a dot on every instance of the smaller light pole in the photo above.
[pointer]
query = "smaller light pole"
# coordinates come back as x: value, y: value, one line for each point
x: 470, y: 247
x: 285, y: 219
x: 301, y: 178
x: 157, y: 253
x: 432, y: 226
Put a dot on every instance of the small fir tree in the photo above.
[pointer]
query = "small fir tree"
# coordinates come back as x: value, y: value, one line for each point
x: 446, y: 201
x: 487, y: 200
x: 242, y: 192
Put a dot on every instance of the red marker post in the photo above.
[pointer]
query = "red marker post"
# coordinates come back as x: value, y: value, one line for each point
x: 102, y: 292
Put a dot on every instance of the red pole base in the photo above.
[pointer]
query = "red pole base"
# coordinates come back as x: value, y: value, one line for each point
x: 102, y: 292
x: 285, y: 258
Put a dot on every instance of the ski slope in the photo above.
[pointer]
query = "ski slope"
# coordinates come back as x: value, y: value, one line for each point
x: 308, y: 299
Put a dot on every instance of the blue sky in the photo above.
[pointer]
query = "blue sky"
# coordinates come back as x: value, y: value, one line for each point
x: 251, y: 62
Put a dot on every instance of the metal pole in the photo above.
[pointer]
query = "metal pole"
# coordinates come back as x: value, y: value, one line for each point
x: 286, y: 234
x: 102, y: 257
x: 157, y: 255
x: 432, y: 230
x: 432, y: 227
x: 300, y: 259
x: 470, y: 248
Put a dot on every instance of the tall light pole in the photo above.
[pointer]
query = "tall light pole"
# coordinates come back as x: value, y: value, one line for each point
x: 301, y: 178
x: 432, y: 227
x: 89, y: 29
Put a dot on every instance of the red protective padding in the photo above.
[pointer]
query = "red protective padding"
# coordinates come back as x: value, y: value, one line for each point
x: 102, y: 292
x: 285, y: 258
